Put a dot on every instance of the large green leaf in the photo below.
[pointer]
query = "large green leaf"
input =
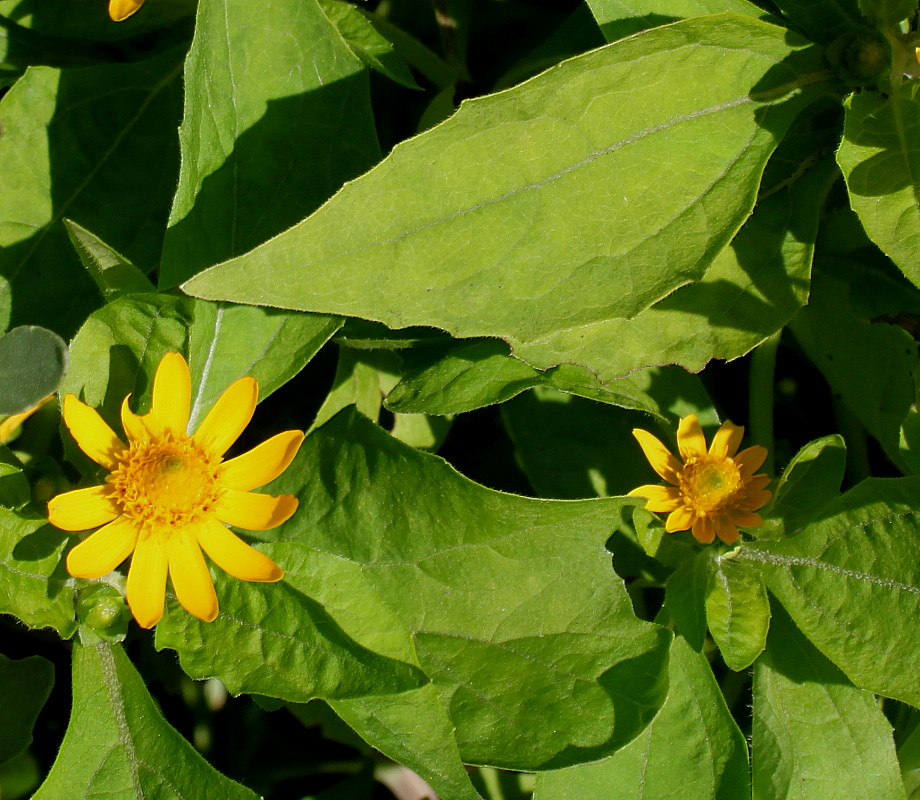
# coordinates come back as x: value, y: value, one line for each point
x: 816, y: 736
x: 227, y: 342
x: 33, y: 583
x: 95, y: 145
x: 477, y: 235
x: 265, y: 139
x: 822, y: 20
x: 851, y: 581
x: 32, y: 362
x: 118, y: 744
x: 880, y: 160
x: 618, y: 18
x: 508, y: 604
x: 692, y: 749
x: 24, y: 687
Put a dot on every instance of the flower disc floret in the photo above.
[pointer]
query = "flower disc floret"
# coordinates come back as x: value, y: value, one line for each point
x: 170, y: 496
x: 712, y: 491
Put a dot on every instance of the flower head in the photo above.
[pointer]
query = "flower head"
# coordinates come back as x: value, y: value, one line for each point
x: 712, y: 492
x: 170, y: 495
x: 122, y: 9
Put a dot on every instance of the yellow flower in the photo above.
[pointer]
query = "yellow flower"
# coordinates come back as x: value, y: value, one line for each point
x: 168, y: 493
x: 712, y: 492
x: 122, y: 9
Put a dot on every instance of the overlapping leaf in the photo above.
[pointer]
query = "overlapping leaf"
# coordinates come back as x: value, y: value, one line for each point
x: 851, y: 582
x: 118, y: 744
x: 494, y: 249
x: 618, y: 18
x: 815, y: 734
x: 692, y: 749
x: 24, y: 686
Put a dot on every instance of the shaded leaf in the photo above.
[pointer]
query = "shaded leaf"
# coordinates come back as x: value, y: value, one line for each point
x: 692, y: 749
x: 118, y: 744
x: 495, y: 251
x: 24, y: 687
x: 850, y: 582
x: 32, y: 362
x: 34, y: 586
x: 113, y: 273
x: 822, y: 20
x: 816, y: 735
x: 686, y: 596
x: 880, y: 162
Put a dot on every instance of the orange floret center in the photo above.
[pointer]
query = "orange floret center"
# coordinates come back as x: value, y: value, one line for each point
x: 166, y: 483
x: 709, y: 485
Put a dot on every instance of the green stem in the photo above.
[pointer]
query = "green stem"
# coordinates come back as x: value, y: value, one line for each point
x: 760, y: 402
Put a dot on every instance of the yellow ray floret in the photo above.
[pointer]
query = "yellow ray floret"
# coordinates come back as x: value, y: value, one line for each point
x: 169, y: 495
x: 122, y: 9
x: 712, y: 491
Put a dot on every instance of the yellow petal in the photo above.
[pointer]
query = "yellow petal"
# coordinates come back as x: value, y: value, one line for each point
x: 254, y: 511
x: 11, y: 423
x: 122, y: 9
x: 726, y: 530
x: 134, y: 425
x: 690, y: 439
x: 190, y: 576
x: 680, y: 520
x: 658, y: 456
x: 660, y: 498
x: 82, y: 509
x: 746, y: 519
x: 95, y: 438
x: 704, y: 530
x: 261, y: 464
x: 102, y: 551
x: 754, y: 500
x: 229, y: 416
x: 756, y: 483
x: 725, y: 442
x: 751, y: 460
x: 172, y: 397
x: 147, y: 579
x: 235, y: 557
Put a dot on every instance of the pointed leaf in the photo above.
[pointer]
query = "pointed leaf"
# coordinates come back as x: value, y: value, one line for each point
x: 118, y: 744
x: 495, y: 250
x: 816, y: 735
x: 850, y: 582
x: 277, y: 117
x: 880, y: 162
x: 113, y: 273
x: 692, y: 749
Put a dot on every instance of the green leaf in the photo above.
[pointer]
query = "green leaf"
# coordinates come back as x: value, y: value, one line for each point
x: 508, y: 604
x: 276, y: 641
x: 24, y: 687
x: 685, y: 598
x: 692, y: 749
x: 815, y: 735
x: 361, y: 379
x: 33, y: 583
x: 869, y: 365
x: 119, y: 347
x: 822, y: 20
x: 95, y: 145
x: 113, y: 273
x: 850, y: 582
x: 494, y: 250
x: 118, y: 744
x: 737, y: 609
x: 277, y: 117
x: 885, y: 13
x: 881, y: 162
x: 227, y: 342
x: 618, y: 18
x: 810, y: 481
x: 366, y: 42
x: 32, y: 362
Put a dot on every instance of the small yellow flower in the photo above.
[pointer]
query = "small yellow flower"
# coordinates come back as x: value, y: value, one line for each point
x: 168, y: 493
x: 712, y: 492
x: 122, y: 9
